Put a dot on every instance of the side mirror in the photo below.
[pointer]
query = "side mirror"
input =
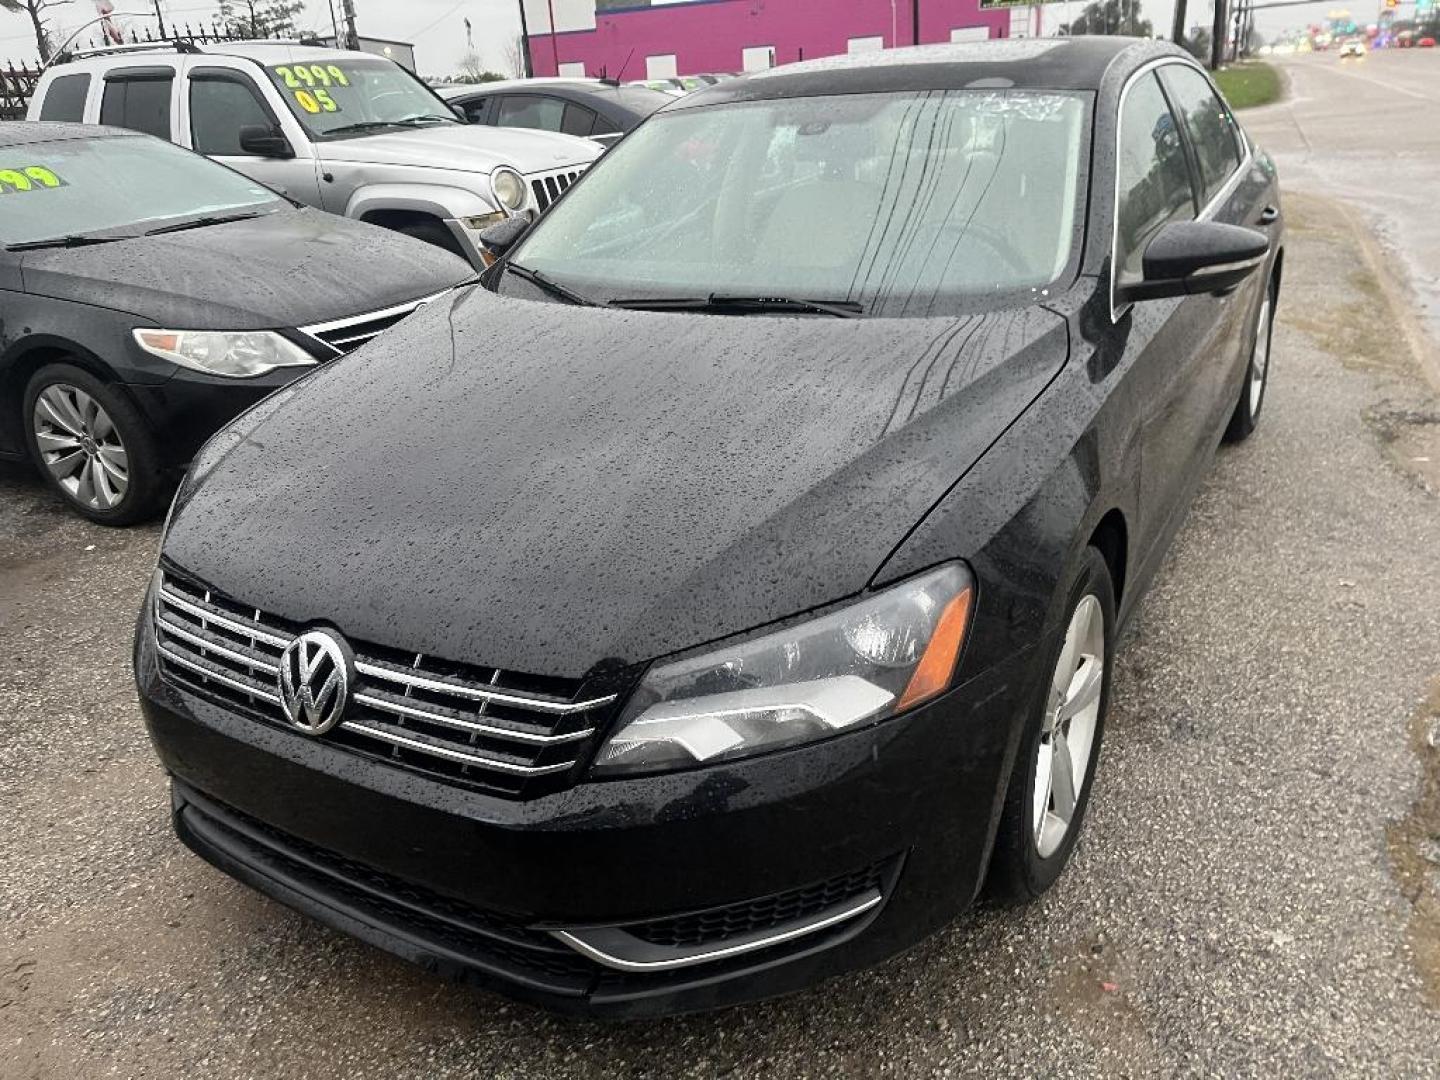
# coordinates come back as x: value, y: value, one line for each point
x: 265, y: 142
x: 501, y: 237
x: 459, y: 110
x: 1190, y: 257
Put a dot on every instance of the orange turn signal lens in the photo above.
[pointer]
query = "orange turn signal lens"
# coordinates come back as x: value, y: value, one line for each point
x: 159, y: 339
x: 937, y: 666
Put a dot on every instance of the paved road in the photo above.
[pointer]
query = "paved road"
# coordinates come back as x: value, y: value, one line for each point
x: 1256, y: 893
x: 1368, y: 131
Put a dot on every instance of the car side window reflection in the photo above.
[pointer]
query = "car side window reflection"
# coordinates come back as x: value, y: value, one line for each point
x: 1154, y: 178
x: 219, y: 107
x: 1211, y: 130
x: 531, y: 111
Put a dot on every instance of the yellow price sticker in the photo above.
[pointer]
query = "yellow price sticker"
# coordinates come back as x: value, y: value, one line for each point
x: 306, y: 76
x: 28, y: 178
x: 316, y: 101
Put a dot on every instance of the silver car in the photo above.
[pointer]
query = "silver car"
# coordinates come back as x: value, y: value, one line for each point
x: 348, y: 132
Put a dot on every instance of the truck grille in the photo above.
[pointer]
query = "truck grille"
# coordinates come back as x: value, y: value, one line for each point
x: 514, y: 735
x: 347, y: 335
x: 549, y: 188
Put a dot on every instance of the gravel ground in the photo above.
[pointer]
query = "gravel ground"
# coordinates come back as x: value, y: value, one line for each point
x: 1258, y: 890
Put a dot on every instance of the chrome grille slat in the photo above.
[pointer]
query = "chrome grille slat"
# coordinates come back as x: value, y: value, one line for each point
x: 450, y: 720
x: 551, y: 186
x: 254, y: 662
x: 235, y: 626
x: 461, y: 756
x: 479, y: 693
x: 345, y: 335
x: 469, y: 726
x: 240, y: 685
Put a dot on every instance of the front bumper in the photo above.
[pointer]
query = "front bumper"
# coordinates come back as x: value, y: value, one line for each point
x: 474, y: 886
x: 189, y: 407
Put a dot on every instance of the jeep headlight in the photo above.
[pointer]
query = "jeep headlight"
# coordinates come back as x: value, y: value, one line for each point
x: 509, y: 188
x: 855, y: 666
x: 240, y: 354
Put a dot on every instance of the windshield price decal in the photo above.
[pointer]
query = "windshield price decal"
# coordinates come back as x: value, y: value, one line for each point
x: 28, y: 178
x: 310, y: 83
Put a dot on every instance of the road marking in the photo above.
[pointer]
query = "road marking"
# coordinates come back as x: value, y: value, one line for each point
x: 1378, y: 82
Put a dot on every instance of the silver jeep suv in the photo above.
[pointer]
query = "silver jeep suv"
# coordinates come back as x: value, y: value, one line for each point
x: 348, y: 132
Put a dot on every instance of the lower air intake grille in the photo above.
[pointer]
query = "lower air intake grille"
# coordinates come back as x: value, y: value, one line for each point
x: 512, y: 734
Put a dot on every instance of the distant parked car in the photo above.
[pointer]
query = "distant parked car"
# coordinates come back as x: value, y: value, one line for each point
x: 1427, y: 43
x: 664, y: 86
x: 351, y: 133
x: 148, y: 296
x: 603, y: 111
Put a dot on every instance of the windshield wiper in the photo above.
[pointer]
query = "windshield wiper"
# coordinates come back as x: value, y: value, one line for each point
x: 72, y: 240
x: 202, y: 222
x: 420, y: 118
x: 554, y: 288
x: 744, y: 305
x: 358, y: 126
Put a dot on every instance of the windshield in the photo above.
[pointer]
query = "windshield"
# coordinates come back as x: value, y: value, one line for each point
x: 902, y: 203
x: 354, y: 96
x: 128, y: 183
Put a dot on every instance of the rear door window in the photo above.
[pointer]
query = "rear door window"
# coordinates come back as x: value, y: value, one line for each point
x: 579, y: 120
x: 1208, y: 123
x: 139, y: 100
x: 220, y: 105
x: 531, y: 111
x: 1153, y: 176
x: 65, y: 100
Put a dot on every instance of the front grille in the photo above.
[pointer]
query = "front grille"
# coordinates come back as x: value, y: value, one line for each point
x: 347, y: 335
x: 715, y: 926
x: 511, y: 734
x: 484, y: 938
x: 549, y: 188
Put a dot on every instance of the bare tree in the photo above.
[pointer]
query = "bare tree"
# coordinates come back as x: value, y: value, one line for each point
x: 36, y: 9
x: 515, y: 57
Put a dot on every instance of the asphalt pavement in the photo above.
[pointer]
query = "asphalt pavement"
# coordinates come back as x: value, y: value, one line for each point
x: 1257, y: 891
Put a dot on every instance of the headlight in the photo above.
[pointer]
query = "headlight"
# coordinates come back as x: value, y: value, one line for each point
x: 849, y: 668
x: 508, y: 187
x: 238, y: 354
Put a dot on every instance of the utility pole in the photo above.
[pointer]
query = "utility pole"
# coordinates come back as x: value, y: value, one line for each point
x: 352, y: 39
x: 554, y: 45
x: 1217, y: 36
x: 527, y: 64
x: 915, y: 21
x: 1177, y: 25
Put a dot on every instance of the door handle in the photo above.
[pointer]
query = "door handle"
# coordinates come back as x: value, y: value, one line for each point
x: 1269, y: 215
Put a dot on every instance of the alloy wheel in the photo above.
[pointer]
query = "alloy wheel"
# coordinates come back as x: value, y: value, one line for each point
x: 1071, y: 715
x: 80, y: 446
x: 1260, y: 355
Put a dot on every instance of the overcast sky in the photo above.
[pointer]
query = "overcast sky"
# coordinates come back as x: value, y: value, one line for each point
x: 438, y: 30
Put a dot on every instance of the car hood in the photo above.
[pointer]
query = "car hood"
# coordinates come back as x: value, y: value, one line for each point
x: 464, y: 148
x: 287, y: 269
x: 549, y: 488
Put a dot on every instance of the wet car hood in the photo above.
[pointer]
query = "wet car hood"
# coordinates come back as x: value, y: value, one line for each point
x: 465, y: 148
x: 571, y: 486
x: 287, y: 269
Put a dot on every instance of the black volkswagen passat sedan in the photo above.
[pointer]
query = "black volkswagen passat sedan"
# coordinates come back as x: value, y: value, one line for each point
x: 148, y: 295
x: 727, y: 587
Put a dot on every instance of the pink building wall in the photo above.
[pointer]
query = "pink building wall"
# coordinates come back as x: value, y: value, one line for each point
x: 709, y: 35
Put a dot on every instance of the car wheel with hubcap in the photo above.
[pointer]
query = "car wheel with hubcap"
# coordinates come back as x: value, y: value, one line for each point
x: 91, y: 446
x: 1252, y: 393
x: 1055, y: 766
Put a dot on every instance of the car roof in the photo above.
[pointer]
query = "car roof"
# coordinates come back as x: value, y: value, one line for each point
x: 31, y: 132
x: 262, y: 52
x: 1079, y: 63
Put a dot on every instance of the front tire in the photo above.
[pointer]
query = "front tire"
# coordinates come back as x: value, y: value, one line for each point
x: 1055, y: 766
x: 1252, y: 394
x: 92, y: 446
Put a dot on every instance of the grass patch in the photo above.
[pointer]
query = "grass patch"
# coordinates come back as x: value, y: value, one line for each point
x: 1249, y: 84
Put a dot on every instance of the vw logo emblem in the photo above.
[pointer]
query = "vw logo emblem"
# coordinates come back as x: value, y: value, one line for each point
x: 316, y: 670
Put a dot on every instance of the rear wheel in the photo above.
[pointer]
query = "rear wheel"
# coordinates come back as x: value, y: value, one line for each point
x: 92, y: 446
x: 1055, y: 767
x: 1252, y: 395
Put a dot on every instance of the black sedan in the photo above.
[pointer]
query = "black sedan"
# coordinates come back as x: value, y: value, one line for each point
x: 724, y: 591
x: 603, y: 111
x: 148, y: 295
